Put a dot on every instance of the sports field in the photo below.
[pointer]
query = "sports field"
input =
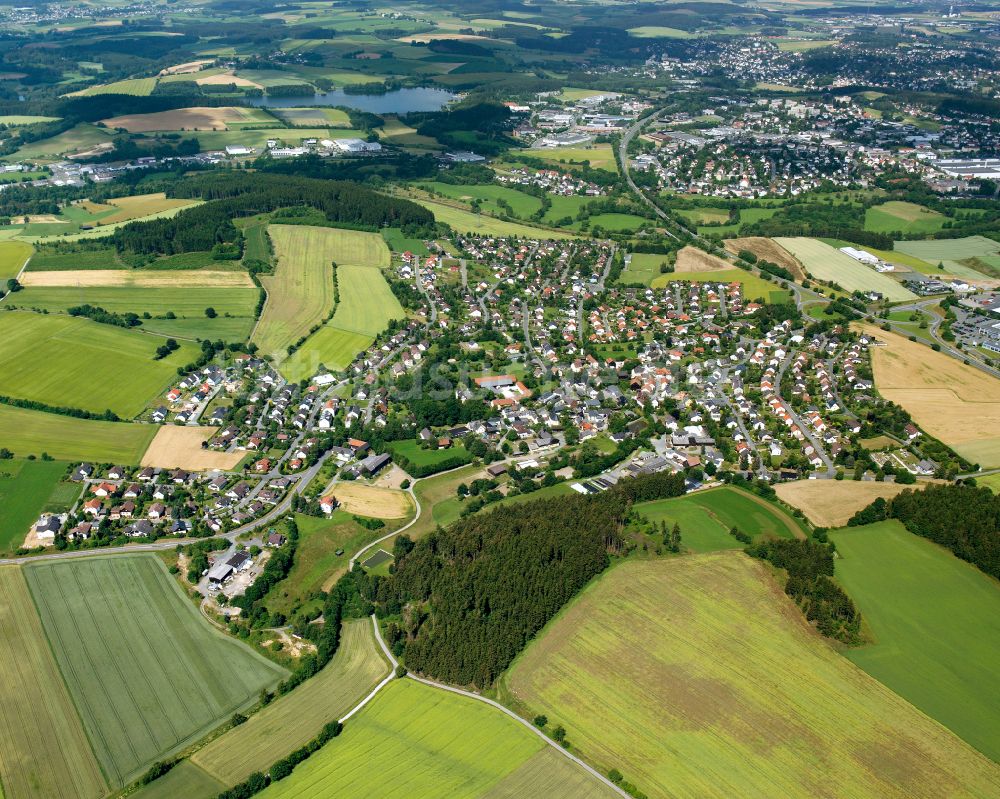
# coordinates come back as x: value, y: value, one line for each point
x: 697, y: 676
x: 830, y: 503
x: 294, y: 719
x: 706, y: 517
x: 13, y: 255
x: 824, y: 262
x: 300, y: 292
x: 467, y: 222
x: 953, y: 402
x: 25, y: 488
x: 28, y: 432
x: 43, y: 748
x: 417, y: 742
x: 936, y: 624
x: 903, y: 217
x: 146, y: 671
x: 74, y: 362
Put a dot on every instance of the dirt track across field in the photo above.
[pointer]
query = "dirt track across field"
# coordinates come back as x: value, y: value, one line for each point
x: 176, y: 447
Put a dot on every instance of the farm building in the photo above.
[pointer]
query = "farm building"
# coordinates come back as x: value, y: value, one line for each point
x: 356, y: 146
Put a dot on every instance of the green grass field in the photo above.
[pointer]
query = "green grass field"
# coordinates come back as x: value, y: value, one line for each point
x: 468, y: 222
x: 317, y: 564
x: 25, y: 488
x: 73, y: 362
x: 826, y: 263
x: 705, y: 518
x: 185, y: 779
x: 366, y: 306
x: 957, y: 256
x: 300, y: 292
x: 414, y: 741
x: 294, y: 719
x: 413, y: 452
x: 903, y: 217
x: 82, y: 137
x: 523, y: 205
x: 137, y: 87
x: 13, y: 255
x: 56, y: 261
x: 188, y: 304
x: 599, y: 156
x: 697, y: 676
x: 43, y: 747
x: 936, y: 623
x: 438, y: 500
x: 146, y: 671
x: 616, y: 223
x: 28, y: 432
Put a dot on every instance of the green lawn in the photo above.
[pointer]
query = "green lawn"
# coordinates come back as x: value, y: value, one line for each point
x: 74, y: 362
x: 490, y: 196
x: 28, y: 432
x: 936, y: 623
x: 415, y: 454
x: 398, y: 242
x: 705, y: 518
x: 25, y: 489
x: 414, y: 742
x: 146, y: 671
x: 467, y: 222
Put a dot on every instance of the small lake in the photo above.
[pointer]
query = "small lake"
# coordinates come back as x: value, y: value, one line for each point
x: 398, y: 101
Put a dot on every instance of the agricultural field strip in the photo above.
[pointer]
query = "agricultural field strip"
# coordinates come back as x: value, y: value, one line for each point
x: 28, y: 432
x: 827, y: 263
x: 131, y: 278
x: 37, y: 716
x: 176, y: 691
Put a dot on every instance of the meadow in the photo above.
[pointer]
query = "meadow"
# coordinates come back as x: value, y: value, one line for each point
x: 418, y: 456
x: 955, y: 403
x: 975, y: 257
x: 648, y: 672
x: 490, y: 196
x: 82, y: 137
x: 705, y: 518
x: 824, y: 262
x: 936, y: 624
x: 185, y: 779
x: 25, y: 488
x: 146, y: 670
x: 13, y: 255
x: 902, y: 217
x: 43, y: 747
x: 415, y: 741
x: 467, y: 222
x: 300, y: 292
x: 366, y: 307
x: 28, y: 432
x: 830, y: 503
x: 599, y: 156
x: 438, y: 502
x: 73, y: 362
x: 294, y: 719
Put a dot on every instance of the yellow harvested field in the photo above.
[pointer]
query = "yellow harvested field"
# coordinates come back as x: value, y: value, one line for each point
x: 768, y: 250
x: 367, y: 500
x: 227, y: 79
x: 176, y: 447
x: 691, y: 259
x: 135, y: 278
x: 143, y: 205
x: 831, y: 503
x: 953, y: 402
x: 194, y: 118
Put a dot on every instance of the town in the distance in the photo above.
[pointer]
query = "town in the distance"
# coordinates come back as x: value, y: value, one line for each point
x: 500, y: 399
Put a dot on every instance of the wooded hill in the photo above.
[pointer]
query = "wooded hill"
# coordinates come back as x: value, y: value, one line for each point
x: 473, y: 595
x: 239, y: 194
